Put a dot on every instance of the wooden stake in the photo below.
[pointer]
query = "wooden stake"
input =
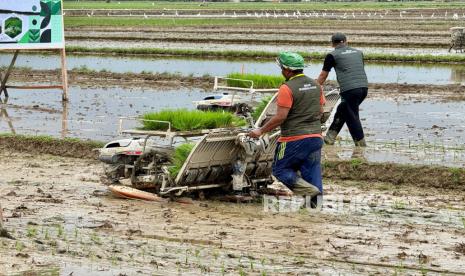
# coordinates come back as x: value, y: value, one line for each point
x: 1, y: 216
x: 7, y: 75
x: 64, y: 75
x: 64, y: 120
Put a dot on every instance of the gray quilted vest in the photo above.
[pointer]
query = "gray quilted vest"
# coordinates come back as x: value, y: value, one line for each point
x: 349, y: 68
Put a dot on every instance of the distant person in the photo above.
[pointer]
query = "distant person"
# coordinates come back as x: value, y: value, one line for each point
x: 299, y: 106
x: 353, y: 83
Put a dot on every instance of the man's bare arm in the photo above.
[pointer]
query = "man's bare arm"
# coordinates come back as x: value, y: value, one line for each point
x: 322, y: 77
x: 273, y: 123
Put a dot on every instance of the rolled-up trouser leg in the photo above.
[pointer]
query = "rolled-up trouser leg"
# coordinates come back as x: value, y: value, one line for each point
x: 304, y: 188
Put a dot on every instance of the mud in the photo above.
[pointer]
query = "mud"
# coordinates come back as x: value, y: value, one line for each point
x: 399, y: 73
x: 356, y: 168
x: 87, y: 78
x: 46, y: 145
x: 396, y: 174
x: 235, y: 46
x: 361, y: 33
x: 263, y: 39
x: 364, y: 228
x: 270, y: 30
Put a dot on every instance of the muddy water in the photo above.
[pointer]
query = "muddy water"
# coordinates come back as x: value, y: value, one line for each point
x: 90, y: 113
x: 378, y: 73
x: 427, y: 132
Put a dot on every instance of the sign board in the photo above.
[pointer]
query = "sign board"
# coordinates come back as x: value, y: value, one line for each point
x: 31, y: 24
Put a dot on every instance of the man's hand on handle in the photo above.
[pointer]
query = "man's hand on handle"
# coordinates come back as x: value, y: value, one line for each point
x: 255, y: 133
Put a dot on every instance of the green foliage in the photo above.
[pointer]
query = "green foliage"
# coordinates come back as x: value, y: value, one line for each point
x: 179, y: 157
x: 380, y: 57
x: 259, y: 81
x: 356, y: 162
x: 50, y: 139
x: 31, y: 232
x: 189, y: 120
x: 456, y: 174
x: 258, y: 110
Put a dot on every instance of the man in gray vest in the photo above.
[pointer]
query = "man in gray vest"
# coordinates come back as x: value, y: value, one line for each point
x: 297, y: 161
x: 353, y: 83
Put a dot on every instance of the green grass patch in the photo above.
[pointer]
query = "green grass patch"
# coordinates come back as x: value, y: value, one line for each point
x: 257, y: 111
x: 105, y: 21
x: 356, y: 162
x: 188, y: 120
x: 374, y: 57
x: 179, y: 157
x: 259, y: 81
x: 50, y: 139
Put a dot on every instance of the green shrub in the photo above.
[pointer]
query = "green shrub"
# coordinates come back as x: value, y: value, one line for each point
x: 188, y: 120
x: 259, y: 81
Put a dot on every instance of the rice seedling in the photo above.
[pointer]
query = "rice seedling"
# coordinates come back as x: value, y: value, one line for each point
x: 19, y: 246
x: 240, y: 54
x: 179, y: 157
x: 31, y: 232
x: 95, y: 238
x: 188, y: 120
x: 60, y: 231
x: 399, y: 204
x: 258, y: 110
x: 259, y: 81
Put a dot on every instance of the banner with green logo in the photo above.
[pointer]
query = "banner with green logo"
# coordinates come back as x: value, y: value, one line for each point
x: 31, y: 24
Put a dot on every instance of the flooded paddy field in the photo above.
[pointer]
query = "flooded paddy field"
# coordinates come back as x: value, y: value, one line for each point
x: 424, y: 131
x: 396, y: 207
x: 436, y: 74
x: 64, y: 221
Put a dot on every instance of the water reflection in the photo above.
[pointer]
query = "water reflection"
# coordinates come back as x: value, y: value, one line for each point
x: 377, y: 73
x: 457, y: 75
x: 4, y: 115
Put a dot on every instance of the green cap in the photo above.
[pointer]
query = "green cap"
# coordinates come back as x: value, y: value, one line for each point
x: 292, y: 61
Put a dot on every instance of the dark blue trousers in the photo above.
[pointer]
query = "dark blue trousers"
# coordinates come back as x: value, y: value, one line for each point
x: 302, y: 155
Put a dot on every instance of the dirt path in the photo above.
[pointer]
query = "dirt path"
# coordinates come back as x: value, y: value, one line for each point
x: 64, y: 220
